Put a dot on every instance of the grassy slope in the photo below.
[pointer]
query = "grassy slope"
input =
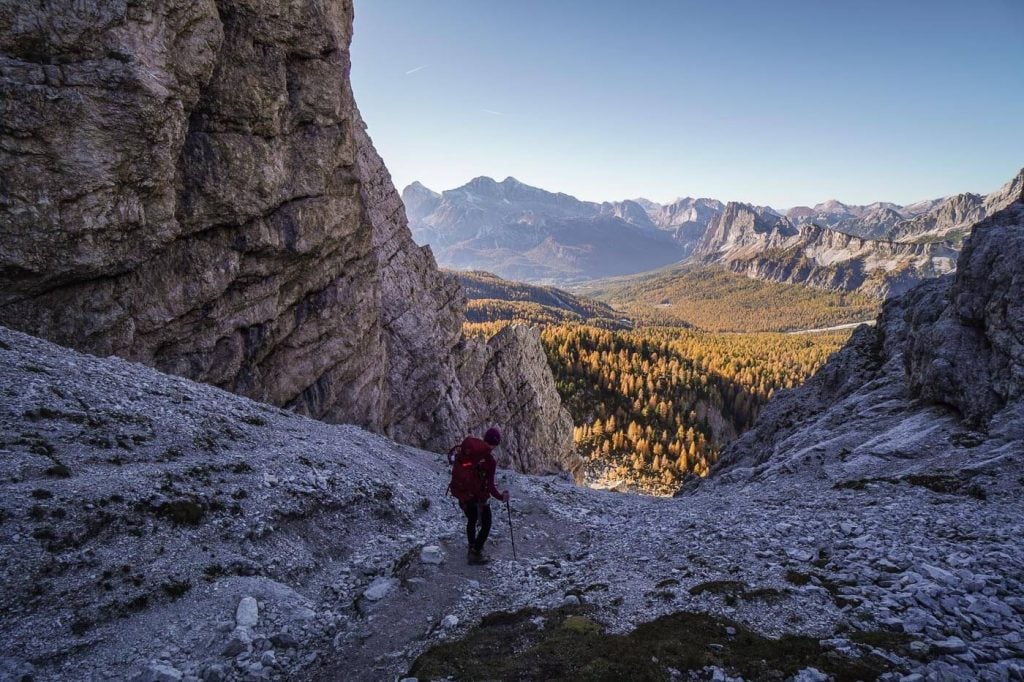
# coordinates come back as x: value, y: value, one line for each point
x: 493, y: 298
x: 715, y: 299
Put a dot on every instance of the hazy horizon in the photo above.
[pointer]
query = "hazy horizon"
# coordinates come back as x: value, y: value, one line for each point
x: 664, y: 202
x: 783, y: 105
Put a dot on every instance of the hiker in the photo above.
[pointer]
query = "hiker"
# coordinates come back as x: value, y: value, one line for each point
x: 473, y: 468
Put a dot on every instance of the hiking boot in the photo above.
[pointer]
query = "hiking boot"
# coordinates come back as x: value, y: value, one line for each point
x: 475, y: 557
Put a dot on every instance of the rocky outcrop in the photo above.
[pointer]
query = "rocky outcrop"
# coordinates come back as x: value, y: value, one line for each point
x: 190, y: 185
x: 509, y: 382
x: 759, y: 243
x: 936, y: 385
x: 969, y: 354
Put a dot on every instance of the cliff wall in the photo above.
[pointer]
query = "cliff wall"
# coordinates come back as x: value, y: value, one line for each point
x: 189, y: 184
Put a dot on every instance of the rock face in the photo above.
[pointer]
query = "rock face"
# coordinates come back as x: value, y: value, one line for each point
x: 936, y: 385
x: 511, y: 383
x: 759, y: 243
x: 190, y: 185
x: 969, y: 354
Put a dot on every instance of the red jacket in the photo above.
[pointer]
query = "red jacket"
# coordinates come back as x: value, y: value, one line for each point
x: 478, y: 453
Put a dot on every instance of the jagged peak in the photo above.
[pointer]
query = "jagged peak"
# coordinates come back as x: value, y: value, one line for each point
x: 417, y: 187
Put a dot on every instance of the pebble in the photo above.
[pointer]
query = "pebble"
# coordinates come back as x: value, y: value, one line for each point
x: 284, y: 640
x: 379, y: 588
x: 449, y: 621
x: 240, y: 642
x: 431, y: 554
x: 159, y: 672
x: 953, y: 645
x: 248, y: 613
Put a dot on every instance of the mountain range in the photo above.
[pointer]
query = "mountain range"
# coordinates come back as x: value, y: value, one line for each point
x: 522, y: 232
x: 527, y: 233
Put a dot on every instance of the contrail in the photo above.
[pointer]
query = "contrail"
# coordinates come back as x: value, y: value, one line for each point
x: 492, y: 111
x: 418, y: 68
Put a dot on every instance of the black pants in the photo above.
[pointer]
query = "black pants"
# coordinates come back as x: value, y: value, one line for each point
x: 477, y: 511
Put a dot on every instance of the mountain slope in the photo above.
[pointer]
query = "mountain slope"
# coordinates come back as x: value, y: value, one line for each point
x: 935, y: 389
x: 156, y: 527
x: 521, y: 232
x: 492, y: 298
x: 761, y: 244
x: 713, y: 298
x: 952, y: 219
x: 944, y: 219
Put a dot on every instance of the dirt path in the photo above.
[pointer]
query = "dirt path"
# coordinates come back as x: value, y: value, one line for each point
x: 838, y: 327
x: 390, y: 633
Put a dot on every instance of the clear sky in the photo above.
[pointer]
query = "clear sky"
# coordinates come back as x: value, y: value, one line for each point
x: 779, y: 102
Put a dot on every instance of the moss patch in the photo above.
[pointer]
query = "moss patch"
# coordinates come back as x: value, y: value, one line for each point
x: 183, y: 512
x: 718, y: 587
x: 568, y: 645
x: 891, y: 641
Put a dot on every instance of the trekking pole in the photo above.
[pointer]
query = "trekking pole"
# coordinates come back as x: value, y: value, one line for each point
x: 511, y: 533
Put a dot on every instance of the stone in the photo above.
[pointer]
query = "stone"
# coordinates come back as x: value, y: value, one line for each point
x: 937, y: 574
x: 159, y: 672
x: 284, y: 640
x: 240, y: 642
x: 379, y: 588
x: 449, y: 622
x: 798, y: 554
x: 214, y: 672
x: 247, y: 613
x: 431, y: 554
x: 570, y: 600
x: 953, y: 645
x: 810, y: 675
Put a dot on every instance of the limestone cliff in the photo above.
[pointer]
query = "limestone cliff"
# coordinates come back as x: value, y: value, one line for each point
x: 189, y: 184
x: 759, y: 243
x: 935, y: 386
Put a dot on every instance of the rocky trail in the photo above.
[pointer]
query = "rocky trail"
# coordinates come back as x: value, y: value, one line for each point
x: 158, y: 529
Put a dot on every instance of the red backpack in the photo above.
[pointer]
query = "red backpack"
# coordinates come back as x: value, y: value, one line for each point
x: 467, y: 475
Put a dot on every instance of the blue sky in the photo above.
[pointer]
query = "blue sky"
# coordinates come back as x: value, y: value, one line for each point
x: 773, y: 102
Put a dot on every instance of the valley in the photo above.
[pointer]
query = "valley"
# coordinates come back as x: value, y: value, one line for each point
x: 654, y: 403
x: 713, y: 298
x: 229, y: 376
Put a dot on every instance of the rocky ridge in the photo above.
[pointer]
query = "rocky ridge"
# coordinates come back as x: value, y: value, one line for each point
x: 759, y: 243
x: 878, y: 249
x: 945, y: 219
x: 158, y: 529
x: 190, y: 185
